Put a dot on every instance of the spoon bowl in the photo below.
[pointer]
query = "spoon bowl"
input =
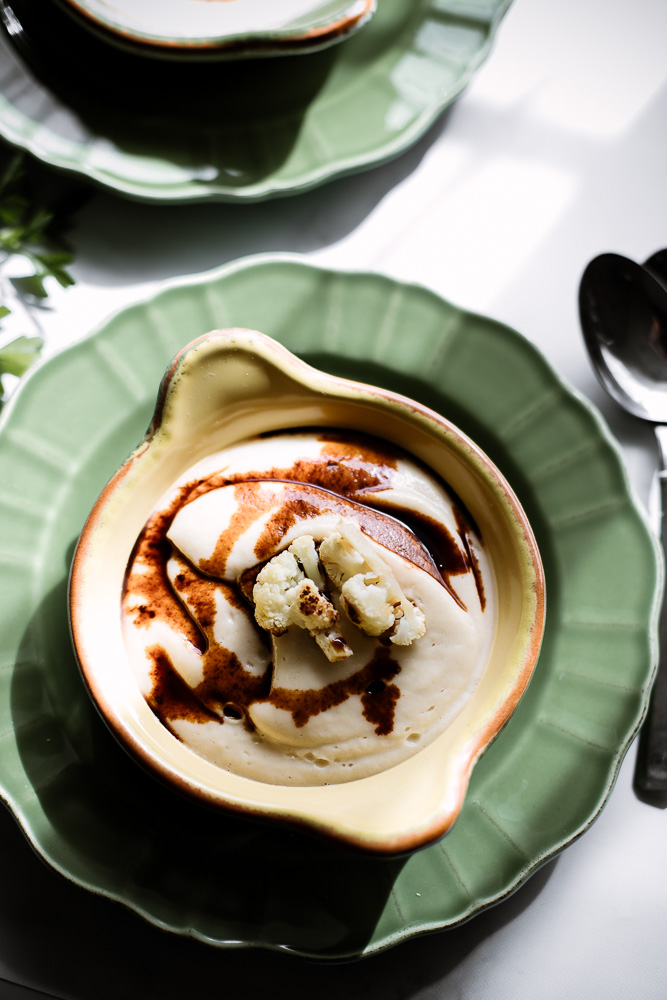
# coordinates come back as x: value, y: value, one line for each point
x: 623, y: 311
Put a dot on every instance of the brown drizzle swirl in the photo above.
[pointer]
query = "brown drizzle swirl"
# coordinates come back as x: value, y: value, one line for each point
x: 378, y: 697
x: 352, y: 473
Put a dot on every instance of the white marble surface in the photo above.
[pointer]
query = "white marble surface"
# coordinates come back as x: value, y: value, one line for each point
x: 556, y: 152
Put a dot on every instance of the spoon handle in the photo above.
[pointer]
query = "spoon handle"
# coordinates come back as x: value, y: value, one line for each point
x: 651, y: 768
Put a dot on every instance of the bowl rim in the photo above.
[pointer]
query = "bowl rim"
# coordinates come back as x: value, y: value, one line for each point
x: 255, y: 42
x: 318, y: 383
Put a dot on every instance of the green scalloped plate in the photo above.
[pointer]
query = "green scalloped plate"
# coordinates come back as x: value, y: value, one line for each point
x: 93, y: 814
x: 239, y: 131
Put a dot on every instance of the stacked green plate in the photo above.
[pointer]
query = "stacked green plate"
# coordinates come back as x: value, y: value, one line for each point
x: 94, y: 815
x: 239, y: 131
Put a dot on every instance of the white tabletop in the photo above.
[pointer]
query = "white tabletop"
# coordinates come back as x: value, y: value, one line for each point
x: 556, y: 152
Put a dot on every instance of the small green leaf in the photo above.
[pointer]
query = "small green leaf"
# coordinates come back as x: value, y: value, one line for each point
x: 13, y: 172
x: 52, y: 263
x: 17, y: 356
x: 63, y: 277
x: 35, y: 226
x: 10, y: 239
x: 12, y: 209
x: 32, y: 285
x: 55, y: 258
x: 28, y: 229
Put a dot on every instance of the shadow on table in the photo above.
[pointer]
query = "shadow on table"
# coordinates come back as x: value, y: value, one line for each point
x: 120, y: 242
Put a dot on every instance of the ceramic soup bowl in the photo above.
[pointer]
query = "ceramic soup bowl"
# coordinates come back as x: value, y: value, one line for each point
x: 232, y: 386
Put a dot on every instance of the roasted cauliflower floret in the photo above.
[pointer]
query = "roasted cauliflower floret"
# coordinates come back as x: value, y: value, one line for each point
x: 289, y: 590
x: 303, y: 548
x: 410, y: 626
x: 310, y: 609
x: 284, y: 595
x: 370, y: 594
x: 341, y: 558
x: 365, y: 604
x: 275, y: 591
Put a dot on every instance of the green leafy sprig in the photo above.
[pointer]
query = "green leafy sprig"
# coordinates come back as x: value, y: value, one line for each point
x: 31, y: 231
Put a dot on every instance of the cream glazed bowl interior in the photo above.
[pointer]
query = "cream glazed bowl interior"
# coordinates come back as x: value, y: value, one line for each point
x: 225, y: 388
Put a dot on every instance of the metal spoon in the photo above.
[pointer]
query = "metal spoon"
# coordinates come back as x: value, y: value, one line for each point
x: 657, y: 265
x: 623, y: 313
